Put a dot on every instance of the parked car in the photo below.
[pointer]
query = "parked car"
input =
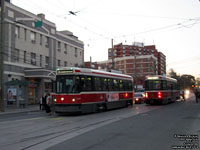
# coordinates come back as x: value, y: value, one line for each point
x: 139, y: 98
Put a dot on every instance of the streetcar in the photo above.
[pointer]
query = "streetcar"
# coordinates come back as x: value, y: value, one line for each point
x: 161, y: 89
x: 84, y: 90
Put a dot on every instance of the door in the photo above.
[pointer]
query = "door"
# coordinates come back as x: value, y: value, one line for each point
x: 31, y: 95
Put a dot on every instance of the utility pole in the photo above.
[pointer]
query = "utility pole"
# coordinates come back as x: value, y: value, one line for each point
x: 135, y: 70
x: 113, y: 63
x: 2, y: 57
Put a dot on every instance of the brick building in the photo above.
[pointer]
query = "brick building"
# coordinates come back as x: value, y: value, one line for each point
x: 136, y: 60
x: 139, y: 49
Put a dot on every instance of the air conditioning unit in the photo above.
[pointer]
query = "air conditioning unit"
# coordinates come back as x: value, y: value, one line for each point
x: 46, y: 45
x: 33, y: 41
x: 33, y: 61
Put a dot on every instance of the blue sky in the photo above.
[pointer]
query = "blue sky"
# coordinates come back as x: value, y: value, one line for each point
x: 172, y: 25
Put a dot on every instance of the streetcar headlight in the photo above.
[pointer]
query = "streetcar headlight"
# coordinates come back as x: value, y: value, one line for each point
x: 187, y: 92
x: 62, y: 98
x: 73, y: 99
x: 55, y: 100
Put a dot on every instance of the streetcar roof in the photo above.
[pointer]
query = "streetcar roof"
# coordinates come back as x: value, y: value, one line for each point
x: 160, y: 77
x: 88, y: 71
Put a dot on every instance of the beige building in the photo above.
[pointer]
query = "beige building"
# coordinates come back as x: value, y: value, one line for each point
x: 32, y: 52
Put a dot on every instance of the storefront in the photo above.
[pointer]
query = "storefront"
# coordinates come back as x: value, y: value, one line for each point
x: 17, y: 93
x: 40, y: 83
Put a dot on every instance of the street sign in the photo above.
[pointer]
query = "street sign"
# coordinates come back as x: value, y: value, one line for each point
x: 38, y: 24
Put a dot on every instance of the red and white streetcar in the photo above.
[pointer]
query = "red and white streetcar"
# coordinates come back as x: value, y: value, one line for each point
x: 83, y: 90
x: 161, y: 89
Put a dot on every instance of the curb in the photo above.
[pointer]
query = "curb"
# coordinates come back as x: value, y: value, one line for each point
x: 17, y: 112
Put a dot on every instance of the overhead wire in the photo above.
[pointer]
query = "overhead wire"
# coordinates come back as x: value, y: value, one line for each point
x: 102, y: 36
x: 188, y: 23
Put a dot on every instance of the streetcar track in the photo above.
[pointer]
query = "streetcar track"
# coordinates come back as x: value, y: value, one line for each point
x: 67, y: 132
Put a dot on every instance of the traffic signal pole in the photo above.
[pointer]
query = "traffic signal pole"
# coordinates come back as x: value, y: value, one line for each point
x: 2, y: 57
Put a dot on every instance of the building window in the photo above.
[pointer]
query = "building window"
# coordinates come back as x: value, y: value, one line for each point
x: 16, y: 55
x: 46, y: 61
x: 33, y: 58
x: 59, y: 63
x: 65, y: 51
x: 47, y: 42
x: 17, y: 32
x: 40, y: 39
x: 24, y: 56
x: 65, y: 63
x: 33, y: 37
x: 59, y: 46
x: 25, y: 33
x: 131, y: 51
x: 75, y: 52
x: 40, y: 60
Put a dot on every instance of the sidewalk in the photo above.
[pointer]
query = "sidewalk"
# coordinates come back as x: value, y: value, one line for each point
x: 14, y: 109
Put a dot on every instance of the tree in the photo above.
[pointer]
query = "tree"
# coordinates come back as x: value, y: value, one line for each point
x: 173, y: 74
x: 186, y: 81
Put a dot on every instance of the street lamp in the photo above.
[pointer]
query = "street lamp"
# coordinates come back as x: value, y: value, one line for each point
x: 2, y: 58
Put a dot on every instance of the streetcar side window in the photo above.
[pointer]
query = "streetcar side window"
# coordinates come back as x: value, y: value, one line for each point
x: 169, y: 85
x: 164, y: 85
x: 110, y: 84
x: 126, y: 88
x: 88, y: 84
x: 97, y: 83
x: 130, y: 86
x: 78, y: 87
x: 104, y: 83
x: 116, y: 85
x: 127, y: 85
x: 121, y: 85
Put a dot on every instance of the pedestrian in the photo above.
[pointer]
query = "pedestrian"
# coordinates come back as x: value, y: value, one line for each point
x: 197, y: 94
x: 41, y: 103
x: 182, y: 94
x: 44, y: 102
x: 48, y: 103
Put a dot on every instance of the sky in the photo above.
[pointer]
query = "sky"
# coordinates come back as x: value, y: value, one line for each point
x: 172, y: 25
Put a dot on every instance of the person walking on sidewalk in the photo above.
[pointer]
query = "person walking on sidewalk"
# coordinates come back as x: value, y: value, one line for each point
x: 41, y: 103
x: 48, y: 103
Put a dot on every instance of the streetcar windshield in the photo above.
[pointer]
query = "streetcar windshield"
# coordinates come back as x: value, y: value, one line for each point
x: 65, y: 84
x: 153, y: 85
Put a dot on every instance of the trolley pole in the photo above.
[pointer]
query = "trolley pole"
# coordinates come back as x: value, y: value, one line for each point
x: 2, y: 57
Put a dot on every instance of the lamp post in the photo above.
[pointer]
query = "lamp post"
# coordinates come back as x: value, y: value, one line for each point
x: 113, y: 63
x: 2, y: 57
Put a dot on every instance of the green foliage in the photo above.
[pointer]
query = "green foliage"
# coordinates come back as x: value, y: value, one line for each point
x: 185, y: 81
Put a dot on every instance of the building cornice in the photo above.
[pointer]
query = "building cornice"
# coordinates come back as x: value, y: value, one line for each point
x: 9, y: 5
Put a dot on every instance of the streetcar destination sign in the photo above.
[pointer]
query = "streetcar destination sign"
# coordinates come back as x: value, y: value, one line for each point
x: 64, y: 71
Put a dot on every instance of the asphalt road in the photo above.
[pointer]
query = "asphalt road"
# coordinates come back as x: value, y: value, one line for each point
x: 21, y: 115
x: 140, y: 127
x: 171, y: 126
